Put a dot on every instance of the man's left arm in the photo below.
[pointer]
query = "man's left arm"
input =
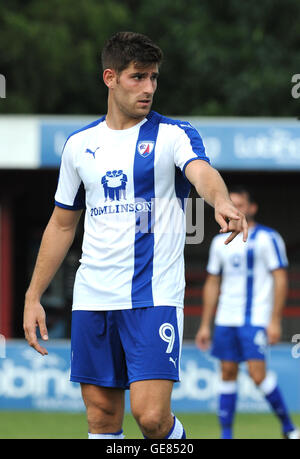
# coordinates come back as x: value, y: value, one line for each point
x: 280, y: 279
x: 210, y: 186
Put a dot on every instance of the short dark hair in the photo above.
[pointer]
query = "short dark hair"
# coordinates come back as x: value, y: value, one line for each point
x: 241, y: 189
x: 126, y: 47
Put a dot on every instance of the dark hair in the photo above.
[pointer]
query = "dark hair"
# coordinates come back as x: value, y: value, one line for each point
x: 240, y: 189
x: 126, y: 47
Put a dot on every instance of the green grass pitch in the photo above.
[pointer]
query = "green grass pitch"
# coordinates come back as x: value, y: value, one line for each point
x: 38, y: 425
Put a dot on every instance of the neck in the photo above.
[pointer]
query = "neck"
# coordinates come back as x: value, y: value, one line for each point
x: 118, y: 120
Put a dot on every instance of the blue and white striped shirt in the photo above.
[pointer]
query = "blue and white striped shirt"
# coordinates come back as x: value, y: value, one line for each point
x: 247, y: 283
x: 126, y: 180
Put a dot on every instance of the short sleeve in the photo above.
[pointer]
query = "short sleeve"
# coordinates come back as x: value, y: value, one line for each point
x: 274, y: 251
x: 70, y: 193
x: 214, y: 265
x: 188, y: 146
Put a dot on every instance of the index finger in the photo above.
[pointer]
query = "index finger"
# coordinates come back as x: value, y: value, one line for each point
x: 245, y: 229
x: 231, y: 237
x: 33, y: 342
x: 222, y: 222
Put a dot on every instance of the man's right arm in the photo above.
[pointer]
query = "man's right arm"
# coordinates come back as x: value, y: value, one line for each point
x: 211, y: 291
x: 56, y: 241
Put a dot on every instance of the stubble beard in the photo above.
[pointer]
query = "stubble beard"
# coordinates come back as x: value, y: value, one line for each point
x: 134, y: 112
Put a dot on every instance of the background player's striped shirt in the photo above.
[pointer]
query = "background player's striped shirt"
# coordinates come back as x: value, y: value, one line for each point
x: 132, y: 184
x: 247, y: 284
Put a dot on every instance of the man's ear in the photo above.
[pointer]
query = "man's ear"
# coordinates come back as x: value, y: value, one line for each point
x: 110, y: 78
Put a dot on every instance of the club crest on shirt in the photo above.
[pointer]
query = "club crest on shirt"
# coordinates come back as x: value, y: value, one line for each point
x: 236, y: 260
x: 145, y: 147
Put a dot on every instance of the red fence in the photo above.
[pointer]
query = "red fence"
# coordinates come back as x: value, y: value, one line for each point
x: 195, y: 281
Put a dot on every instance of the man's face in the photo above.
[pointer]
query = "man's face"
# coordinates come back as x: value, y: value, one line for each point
x: 134, y: 89
x: 242, y: 203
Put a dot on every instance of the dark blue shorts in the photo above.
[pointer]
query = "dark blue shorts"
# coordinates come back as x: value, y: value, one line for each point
x: 116, y: 348
x: 239, y: 344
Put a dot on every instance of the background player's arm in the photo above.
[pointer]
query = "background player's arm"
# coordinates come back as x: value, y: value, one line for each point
x: 280, y: 295
x: 57, y: 239
x: 210, y: 185
x: 211, y: 291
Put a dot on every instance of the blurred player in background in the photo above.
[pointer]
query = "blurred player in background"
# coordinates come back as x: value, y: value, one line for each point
x: 248, y: 285
x: 127, y: 319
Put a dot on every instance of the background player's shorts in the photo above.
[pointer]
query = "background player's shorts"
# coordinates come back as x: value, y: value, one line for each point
x: 116, y: 348
x: 238, y: 344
